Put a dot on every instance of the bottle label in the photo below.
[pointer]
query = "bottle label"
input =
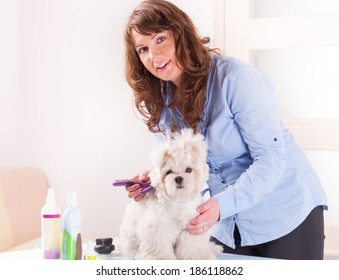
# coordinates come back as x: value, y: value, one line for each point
x: 71, y: 244
x: 51, y: 216
x: 50, y: 236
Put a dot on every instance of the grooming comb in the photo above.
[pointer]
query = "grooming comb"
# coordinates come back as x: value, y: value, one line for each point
x: 145, y: 186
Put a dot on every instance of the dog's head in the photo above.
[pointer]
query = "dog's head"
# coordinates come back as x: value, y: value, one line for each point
x: 179, y: 165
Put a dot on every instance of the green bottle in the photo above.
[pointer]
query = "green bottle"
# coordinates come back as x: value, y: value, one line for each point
x: 71, y: 246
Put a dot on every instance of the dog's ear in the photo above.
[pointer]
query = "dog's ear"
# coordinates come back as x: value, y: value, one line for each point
x: 198, y: 149
x: 205, y: 171
x: 155, y: 177
x: 158, y: 153
x: 157, y: 158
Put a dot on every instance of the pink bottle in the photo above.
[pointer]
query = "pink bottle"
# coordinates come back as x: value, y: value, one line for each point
x: 51, y: 227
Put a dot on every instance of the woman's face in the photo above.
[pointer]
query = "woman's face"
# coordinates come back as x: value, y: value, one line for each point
x: 157, y: 54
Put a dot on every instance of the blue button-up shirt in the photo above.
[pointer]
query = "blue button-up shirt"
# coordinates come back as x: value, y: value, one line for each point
x: 261, y: 178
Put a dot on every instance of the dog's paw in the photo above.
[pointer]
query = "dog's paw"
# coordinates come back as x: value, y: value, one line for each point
x: 217, y: 249
x: 153, y: 256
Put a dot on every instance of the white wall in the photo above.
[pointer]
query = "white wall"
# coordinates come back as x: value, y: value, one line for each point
x: 68, y: 110
x: 8, y: 83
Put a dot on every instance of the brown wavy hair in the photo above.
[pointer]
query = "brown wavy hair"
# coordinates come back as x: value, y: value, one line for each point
x: 154, y: 16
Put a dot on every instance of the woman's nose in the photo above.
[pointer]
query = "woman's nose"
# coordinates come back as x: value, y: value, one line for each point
x: 153, y: 53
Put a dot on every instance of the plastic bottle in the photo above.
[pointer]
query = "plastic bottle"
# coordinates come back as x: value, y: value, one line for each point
x: 51, y: 227
x: 71, y: 246
x: 90, y: 254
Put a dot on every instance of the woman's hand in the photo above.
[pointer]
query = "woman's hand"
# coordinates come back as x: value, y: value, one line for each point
x: 134, y: 190
x: 209, y: 215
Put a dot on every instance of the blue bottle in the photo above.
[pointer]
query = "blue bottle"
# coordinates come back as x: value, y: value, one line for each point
x: 71, y: 247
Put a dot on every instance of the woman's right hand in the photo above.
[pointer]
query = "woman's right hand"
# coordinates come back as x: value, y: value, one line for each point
x: 134, y: 190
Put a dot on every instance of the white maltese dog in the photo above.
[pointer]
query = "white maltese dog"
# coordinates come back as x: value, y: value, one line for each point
x: 154, y: 227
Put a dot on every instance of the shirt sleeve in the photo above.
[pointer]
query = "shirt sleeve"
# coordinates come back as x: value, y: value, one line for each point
x: 253, y: 103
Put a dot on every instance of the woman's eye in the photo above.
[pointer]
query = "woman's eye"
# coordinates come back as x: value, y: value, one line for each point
x: 188, y: 170
x: 161, y: 39
x: 142, y: 50
x: 169, y: 172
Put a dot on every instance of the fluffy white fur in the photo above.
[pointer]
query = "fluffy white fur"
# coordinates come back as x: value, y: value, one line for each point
x: 154, y: 227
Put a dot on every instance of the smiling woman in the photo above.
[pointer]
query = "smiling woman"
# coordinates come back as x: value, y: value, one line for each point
x: 157, y: 53
x: 264, y: 194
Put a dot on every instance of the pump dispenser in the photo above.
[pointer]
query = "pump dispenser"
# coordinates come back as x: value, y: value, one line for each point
x: 71, y: 230
x: 51, y: 227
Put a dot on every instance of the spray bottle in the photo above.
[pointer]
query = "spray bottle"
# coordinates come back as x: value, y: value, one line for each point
x: 71, y: 230
x: 50, y: 227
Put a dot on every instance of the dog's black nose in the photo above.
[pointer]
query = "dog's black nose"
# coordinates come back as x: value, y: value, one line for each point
x: 178, y: 180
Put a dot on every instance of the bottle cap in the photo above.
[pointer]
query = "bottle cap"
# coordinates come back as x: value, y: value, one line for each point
x: 71, y: 199
x: 50, y: 199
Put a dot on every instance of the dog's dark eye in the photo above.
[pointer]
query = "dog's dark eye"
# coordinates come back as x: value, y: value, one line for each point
x: 188, y: 170
x: 169, y: 172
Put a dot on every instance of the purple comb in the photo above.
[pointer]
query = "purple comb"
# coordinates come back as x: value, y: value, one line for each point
x: 145, y: 186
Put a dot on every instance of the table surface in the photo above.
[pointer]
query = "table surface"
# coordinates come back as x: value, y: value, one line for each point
x: 36, y: 254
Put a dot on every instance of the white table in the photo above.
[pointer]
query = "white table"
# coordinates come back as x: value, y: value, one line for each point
x: 36, y: 254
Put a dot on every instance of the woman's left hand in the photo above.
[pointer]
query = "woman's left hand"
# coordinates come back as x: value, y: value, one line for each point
x: 209, y: 215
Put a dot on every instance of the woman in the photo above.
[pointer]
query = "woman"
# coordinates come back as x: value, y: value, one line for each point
x: 265, y: 197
